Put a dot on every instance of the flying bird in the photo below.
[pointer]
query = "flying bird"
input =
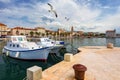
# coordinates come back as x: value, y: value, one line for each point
x: 67, y: 19
x: 52, y: 10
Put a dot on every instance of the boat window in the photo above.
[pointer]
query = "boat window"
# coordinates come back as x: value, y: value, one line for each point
x: 13, y: 45
x: 24, y: 39
x: 10, y: 45
x: 17, y: 45
x: 14, y: 39
x: 20, y: 39
x: 47, y: 40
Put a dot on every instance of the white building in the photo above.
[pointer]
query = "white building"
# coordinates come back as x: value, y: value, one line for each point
x: 111, y: 33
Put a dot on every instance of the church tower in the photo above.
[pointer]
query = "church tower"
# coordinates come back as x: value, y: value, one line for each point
x: 72, y: 29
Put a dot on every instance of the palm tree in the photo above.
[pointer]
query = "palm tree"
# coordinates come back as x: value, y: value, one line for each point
x: 65, y: 34
x: 37, y: 34
x: 54, y: 34
x: 68, y: 34
x: 17, y: 32
x: 21, y: 34
x: 43, y: 34
x: 31, y: 33
x: 47, y: 33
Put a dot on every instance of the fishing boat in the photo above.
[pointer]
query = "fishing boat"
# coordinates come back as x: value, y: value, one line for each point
x: 47, y: 42
x: 18, y: 47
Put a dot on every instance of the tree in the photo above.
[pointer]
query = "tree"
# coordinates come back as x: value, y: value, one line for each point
x: 21, y: 34
x: 54, y: 34
x: 37, y: 34
x: 17, y: 32
x: 31, y: 33
x: 47, y: 33
x: 102, y: 34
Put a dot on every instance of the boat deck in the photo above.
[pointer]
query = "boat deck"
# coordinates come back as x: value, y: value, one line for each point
x: 102, y: 64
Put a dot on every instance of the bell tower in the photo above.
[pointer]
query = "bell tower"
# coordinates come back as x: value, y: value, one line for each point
x: 72, y: 29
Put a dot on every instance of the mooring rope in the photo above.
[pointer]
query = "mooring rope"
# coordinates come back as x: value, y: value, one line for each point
x: 25, y: 78
x: 54, y: 57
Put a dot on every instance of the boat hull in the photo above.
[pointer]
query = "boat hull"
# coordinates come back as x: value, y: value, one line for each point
x: 36, y: 54
x: 56, y: 49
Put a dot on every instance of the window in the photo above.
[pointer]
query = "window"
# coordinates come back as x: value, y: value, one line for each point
x: 10, y: 45
x: 17, y: 45
x: 14, y: 39
x: 13, y: 45
x: 20, y: 39
x: 24, y: 39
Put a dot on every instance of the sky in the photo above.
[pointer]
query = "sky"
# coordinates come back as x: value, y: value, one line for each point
x: 83, y: 15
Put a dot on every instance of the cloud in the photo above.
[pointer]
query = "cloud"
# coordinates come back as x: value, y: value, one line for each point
x: 5, y: 1
x: 82, y: 13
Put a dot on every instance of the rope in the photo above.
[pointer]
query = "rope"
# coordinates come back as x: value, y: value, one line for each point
x: 25, y: 78
x: 55, y: 57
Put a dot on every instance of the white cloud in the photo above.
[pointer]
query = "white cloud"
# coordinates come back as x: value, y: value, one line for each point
x: 5, y: 1
x: 81, y: 16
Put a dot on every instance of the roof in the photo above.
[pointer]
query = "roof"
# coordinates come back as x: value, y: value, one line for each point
x: 40, y: 28
x: 22, y: 28
x: 1, y: 24
x: 110, y: 31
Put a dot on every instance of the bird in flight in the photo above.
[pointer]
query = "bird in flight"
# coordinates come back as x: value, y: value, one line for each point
x: 52, y: 10
x: 67, y: 19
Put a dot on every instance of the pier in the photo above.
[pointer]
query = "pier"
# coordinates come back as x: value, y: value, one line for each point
x: 102, y: 64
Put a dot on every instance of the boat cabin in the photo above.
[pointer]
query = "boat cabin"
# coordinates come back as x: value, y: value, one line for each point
x: 20, y: 42
x: 17, y: 39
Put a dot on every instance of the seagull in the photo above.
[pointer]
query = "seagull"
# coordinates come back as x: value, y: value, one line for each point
x: 67, y: 18
x: 51, y: 10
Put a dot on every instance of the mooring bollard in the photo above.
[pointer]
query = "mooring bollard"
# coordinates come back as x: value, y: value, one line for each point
x: 34, y: 73
x: 79, y: 70
x: 68, y: 57
x: 110, y: 45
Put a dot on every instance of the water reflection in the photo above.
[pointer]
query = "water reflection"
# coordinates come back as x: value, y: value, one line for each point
x: 115, y: 41
x: 74, y: 43
x: 111, y: 40
x: 12, y: 69
x: 16, y: 69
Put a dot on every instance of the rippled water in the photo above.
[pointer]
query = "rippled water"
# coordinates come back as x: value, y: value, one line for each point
x: 12, y: 69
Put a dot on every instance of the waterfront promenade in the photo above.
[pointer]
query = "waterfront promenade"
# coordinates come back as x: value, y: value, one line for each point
x: 102, y: 64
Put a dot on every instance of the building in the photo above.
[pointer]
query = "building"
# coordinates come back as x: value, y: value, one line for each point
x: 61, y: 31
x: 23, y: 31
x: 111, y: 33
x: 117, y: 35
x: 79, y: 33
x: 40, y: 31
x: 72, y: 29
x: 3, y: 30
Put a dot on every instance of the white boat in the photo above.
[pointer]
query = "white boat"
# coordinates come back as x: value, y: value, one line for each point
x: 18, y: 47
x: 47, y: 42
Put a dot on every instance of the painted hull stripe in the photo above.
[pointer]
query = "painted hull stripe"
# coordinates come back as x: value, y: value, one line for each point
x: 26, y: 50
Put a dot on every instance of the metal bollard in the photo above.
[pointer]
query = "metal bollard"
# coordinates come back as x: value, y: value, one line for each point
x: 79, y: 70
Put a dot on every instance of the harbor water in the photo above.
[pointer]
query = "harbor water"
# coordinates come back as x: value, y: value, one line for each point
x: 12, y: 69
